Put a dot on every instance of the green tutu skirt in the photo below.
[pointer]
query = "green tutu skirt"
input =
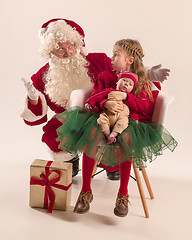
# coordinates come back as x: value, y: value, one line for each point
x: 139, y: 142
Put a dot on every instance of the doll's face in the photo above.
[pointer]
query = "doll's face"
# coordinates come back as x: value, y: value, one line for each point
x: 125, y: 84
x: 120, y: 60
x: 66, y: 49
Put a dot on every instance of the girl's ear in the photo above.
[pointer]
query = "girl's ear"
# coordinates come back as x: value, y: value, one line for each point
x: 130, y: 60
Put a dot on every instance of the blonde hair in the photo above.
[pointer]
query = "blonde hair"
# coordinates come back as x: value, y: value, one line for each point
x: 133, y: 48
x: 56, y: 32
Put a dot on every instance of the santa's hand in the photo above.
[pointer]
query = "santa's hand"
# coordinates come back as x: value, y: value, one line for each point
x: 158, y: 74
x: 31, y: 91
x: 88, y: 106
x: 117, y: 95
x: 113, y: 106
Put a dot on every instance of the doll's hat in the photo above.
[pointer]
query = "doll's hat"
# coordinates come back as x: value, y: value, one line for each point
x: 127, y: 74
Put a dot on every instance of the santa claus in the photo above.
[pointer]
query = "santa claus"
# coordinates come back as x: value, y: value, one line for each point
x: 69, y: 67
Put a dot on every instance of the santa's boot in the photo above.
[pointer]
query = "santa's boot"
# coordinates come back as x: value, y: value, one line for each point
x: 67, y: 157
x: 75, y: 162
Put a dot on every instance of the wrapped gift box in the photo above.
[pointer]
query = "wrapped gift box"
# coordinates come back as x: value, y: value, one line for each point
x: 50, y: 184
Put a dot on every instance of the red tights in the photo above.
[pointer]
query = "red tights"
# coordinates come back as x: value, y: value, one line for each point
x: 88, y: 165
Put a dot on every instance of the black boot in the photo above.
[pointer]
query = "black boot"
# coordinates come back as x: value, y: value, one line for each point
x: 75, y: 162
x: 113, y: 175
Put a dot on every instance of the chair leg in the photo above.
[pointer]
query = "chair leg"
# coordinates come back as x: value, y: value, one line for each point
x: 147, y: 183
x: 94, y: 170
x: 141, y: 191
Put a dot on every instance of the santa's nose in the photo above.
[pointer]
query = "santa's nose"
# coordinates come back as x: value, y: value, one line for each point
x: 65, y: 52
x: 68, y: 53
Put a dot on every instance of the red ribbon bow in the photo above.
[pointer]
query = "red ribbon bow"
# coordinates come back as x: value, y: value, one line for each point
x: 44, y: 181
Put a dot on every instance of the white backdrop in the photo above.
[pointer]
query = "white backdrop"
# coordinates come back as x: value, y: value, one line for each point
x: 162, y: 27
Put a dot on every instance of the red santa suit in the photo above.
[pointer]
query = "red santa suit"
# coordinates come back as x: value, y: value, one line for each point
x: 37, y: 114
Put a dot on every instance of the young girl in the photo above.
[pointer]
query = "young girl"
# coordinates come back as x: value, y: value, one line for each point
x: 138, y: 142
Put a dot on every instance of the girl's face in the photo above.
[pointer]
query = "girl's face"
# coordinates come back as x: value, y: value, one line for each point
x: 66, y: 49
x: 120, y: 60
x: 125, y: 84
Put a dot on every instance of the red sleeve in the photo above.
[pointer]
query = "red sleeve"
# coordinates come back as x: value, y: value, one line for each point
x: 158, y: 85
x: 98, y: 62
x: 36, y: 109
x: 142, y: 105
x: 105, y: 80
x: 99, y: 85
x: 37, y: 78
x: 96, y: 98
x: 137, y: 104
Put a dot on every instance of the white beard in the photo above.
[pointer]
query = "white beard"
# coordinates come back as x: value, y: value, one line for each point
x: 64, y: 76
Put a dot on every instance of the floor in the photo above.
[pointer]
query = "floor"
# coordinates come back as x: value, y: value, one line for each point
x: 170, y: 211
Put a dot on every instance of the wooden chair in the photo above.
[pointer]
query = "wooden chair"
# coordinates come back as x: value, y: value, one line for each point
x: 78, y: 98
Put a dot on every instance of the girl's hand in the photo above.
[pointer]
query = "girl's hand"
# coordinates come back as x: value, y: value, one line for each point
x: 158, y: 74
x: 88, y: 106
x: 113, y: 106
x: 117, y: 95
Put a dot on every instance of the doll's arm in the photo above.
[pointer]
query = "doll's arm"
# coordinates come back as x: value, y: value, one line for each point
x: 117, y: 95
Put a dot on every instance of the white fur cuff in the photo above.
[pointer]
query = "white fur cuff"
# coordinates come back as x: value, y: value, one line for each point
x: 61, y: 156
x: 31, y: 117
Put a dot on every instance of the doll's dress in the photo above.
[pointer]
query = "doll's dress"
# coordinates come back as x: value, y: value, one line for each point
x: 140, y: 142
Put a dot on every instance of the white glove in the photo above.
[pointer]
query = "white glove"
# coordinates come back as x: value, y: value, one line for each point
x: 158, y: 74
x: 31, y: 91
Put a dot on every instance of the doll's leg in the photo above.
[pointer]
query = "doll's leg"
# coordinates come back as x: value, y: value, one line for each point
x: 120, y: 125
x: 121, y: 122
x: 103, y: 122
x: 121, y: 206
x: 112, y: 137
x: 86, y: 196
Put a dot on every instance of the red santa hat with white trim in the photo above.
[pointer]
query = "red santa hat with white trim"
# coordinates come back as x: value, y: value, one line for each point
x: 127, y: 74
x: 63, y: 30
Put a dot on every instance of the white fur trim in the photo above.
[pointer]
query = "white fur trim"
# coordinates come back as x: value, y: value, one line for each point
x: 61, y: 156
x: 153, y: 87
x: 84, y: 51
x: 31, y: 117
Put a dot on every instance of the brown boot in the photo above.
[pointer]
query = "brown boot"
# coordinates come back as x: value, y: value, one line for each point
x: 121, y: 206
x: 82, y: 205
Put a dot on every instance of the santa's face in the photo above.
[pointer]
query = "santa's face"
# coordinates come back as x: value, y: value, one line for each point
x: 66, y: 49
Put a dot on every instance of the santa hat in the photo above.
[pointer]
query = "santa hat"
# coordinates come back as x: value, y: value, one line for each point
x: 63, y: 30
x: 126, y: 74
